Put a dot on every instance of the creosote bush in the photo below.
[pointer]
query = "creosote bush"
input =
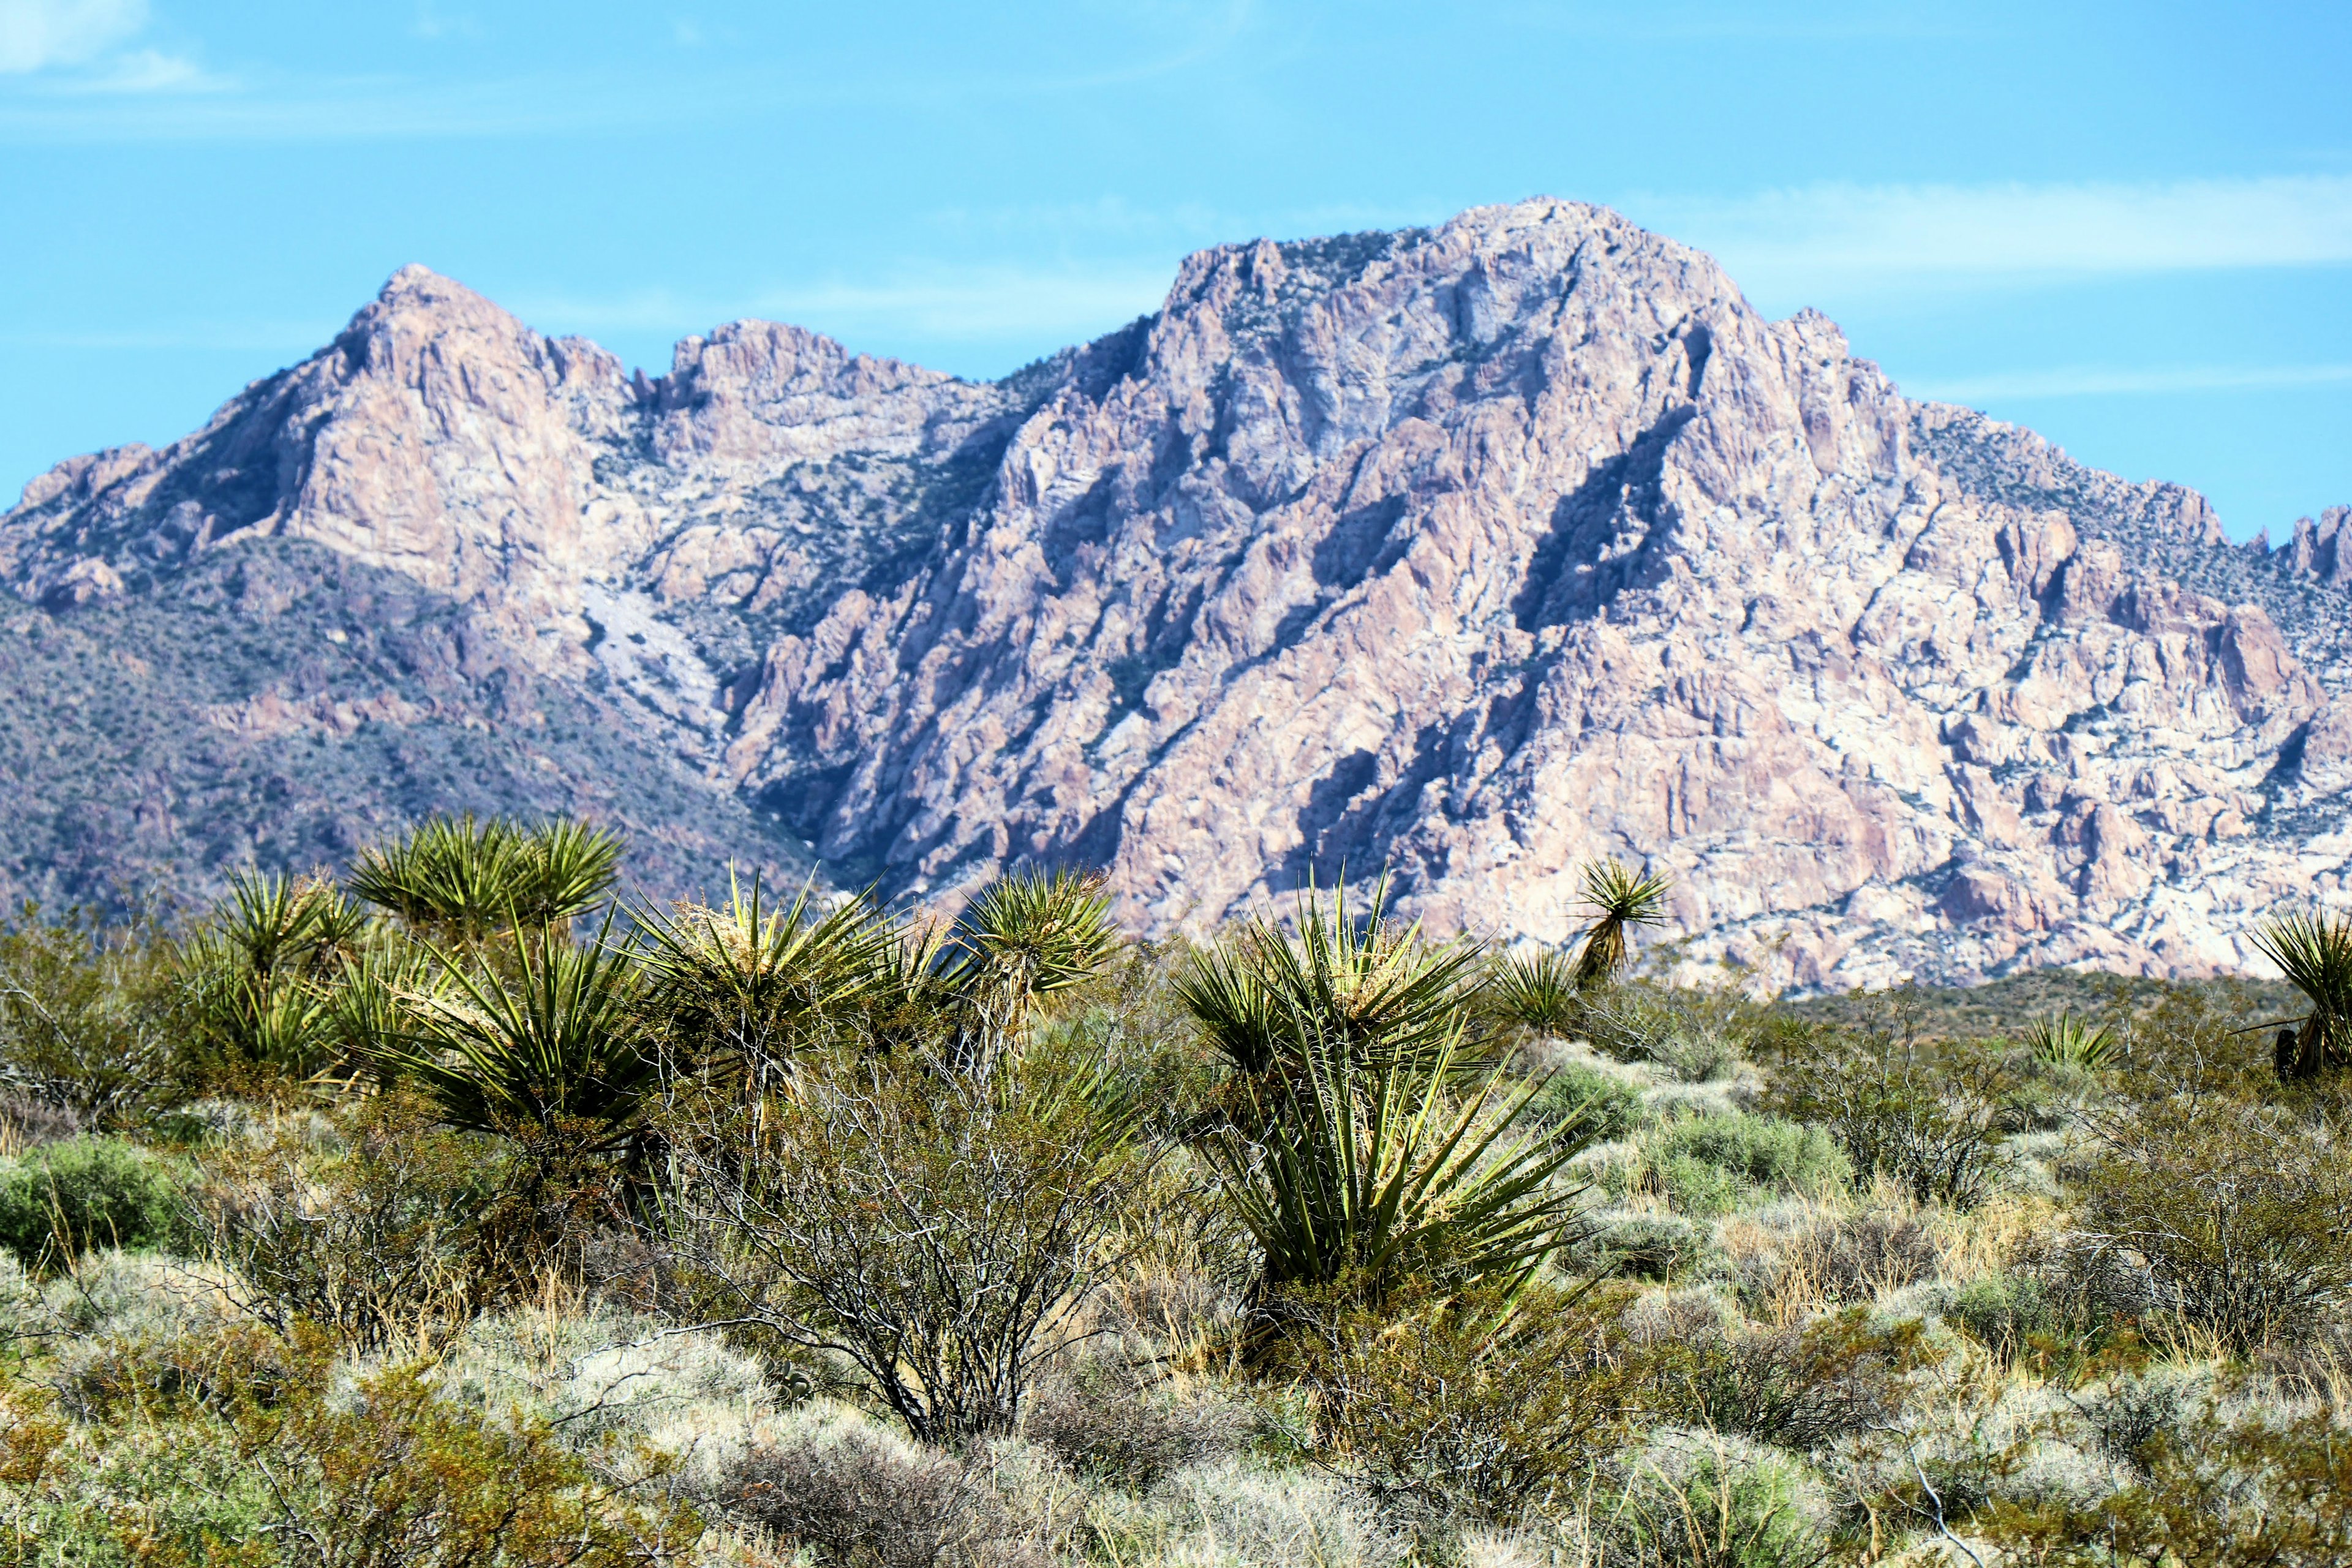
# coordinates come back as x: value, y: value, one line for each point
x: 939, y: 1230
x: 389, y: 1236
x: 63, y: 1199
x: 2238, y: 1216
x: 90, y: 1019
x: 1928, y: 1118
x: 1484, y: 1399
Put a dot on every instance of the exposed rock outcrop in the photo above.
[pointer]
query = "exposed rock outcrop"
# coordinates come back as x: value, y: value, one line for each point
x: 1473, y: 552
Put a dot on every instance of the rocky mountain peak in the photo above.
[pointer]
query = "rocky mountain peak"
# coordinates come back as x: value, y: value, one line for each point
x: 1472, y: 551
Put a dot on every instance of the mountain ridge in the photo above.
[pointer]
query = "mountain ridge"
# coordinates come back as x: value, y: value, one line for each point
x: 1472, y: 551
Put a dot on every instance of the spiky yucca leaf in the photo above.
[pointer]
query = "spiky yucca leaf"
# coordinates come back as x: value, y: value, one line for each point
x: 1233, y: 1009
x: 1031, y: 933
x: 2315, y: 954
x: 1376, y: 1170
x: 2062, y: 1039
x: 463, y: 878
x: 1352, y: 979
x: 1537, y: 991
x: 561, y: 1043
x: 370, y: 1007
x: 746, y: 982
x: 1622, y: 898
x: 274, y: 921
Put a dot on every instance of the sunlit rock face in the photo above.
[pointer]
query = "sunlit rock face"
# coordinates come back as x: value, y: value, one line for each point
x: 1471, y: 554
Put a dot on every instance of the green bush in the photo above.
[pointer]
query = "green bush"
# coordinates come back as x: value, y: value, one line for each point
x: 391, y: 1240
x: 1698, y: 1187
x: 1587, y: 1106
x: 2005, y: 1312
x: 1928, y: 1119
x: 1750, y: 1153
x: 2237, y: 1217
x: 1710, y: 1502
x: 88, y: 1018
x: 1486, y: 1401
x: 1645, y: 1246
x: 62, y: 1199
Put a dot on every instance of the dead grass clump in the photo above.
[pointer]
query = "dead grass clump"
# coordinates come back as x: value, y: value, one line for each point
x: 1105, y: 1424
x: 865, y: 1500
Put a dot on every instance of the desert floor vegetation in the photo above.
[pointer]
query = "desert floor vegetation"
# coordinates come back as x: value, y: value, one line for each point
x: 464, y: 1212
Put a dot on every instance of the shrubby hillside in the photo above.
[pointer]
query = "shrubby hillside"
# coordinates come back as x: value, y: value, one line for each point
x: 439, y: 1217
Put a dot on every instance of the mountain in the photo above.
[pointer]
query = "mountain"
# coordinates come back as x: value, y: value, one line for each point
x: 1473, y: 551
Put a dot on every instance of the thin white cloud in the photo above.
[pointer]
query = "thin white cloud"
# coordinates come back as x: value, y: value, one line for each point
x: 1838, y: 233
x: 37, y: 34
x: 2090, y: 381
x: 148, y: 71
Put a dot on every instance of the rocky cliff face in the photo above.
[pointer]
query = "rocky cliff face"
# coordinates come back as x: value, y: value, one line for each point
x: 1473, y: 552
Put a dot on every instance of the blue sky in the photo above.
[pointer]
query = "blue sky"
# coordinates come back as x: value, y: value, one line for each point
x: 2128, y: 226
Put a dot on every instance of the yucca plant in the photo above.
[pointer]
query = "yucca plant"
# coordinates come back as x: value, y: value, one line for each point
x: 1236, y: 1013
x: 2315, y: 954
x: 1622, y: 898
x: 2063, y: 1040
x: 370, y: 1005
x: 1535, y: 991
x: 459, y: 878
x: 745, y: 985
x: 1029, y: 934
x: 1351, y: 981
x: 258, y: 973
x: 558, y: 1046
x: 1371, y: 1167
x: 276, y: 922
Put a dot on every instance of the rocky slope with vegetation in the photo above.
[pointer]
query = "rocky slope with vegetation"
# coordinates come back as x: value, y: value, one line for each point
x: 1473, y: 551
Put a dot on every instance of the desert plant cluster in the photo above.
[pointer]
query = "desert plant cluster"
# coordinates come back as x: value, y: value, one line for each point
x: 465, y: 1211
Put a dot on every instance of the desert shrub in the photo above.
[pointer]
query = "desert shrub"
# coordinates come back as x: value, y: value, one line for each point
x: 89, y: 1018
x: 940, y: 1229
x: 1853, y: 1257
x: 1695, y: 1036
x: 1697, y: 1187
x: 1745, y: 1154
x: 2005, y: 1313
x: 1706, y: 1501
x: 2250, y: 1489
x: 1476, y: 1401
x: 1238, y: 1512
x: 1644, y: 1246
x: 2239, y: 1218
x: 866, y: 1500
x: 1102, y: 1422
x: 246, y: 1441
x: 1586, y: 1106
x: 63, y: 1199
x: 388, y: 1239
x: 1797, y: 1388
x: 1930, y: 1120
